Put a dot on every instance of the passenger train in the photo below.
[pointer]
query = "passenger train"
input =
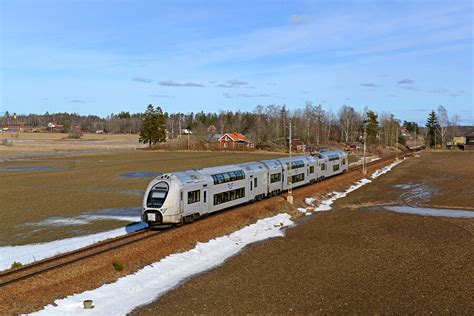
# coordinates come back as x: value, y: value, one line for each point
x: 183, y: 196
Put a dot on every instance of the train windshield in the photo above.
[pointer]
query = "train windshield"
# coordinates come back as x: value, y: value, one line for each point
x: 157, y: 195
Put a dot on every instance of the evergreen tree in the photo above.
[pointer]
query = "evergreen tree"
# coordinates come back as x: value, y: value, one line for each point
x: 432, y: 124
x: 372, y: 127
x: 154, y: 126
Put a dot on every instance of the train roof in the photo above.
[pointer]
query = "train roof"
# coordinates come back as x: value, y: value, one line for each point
x: 254, y: 166
x: 333, y: 154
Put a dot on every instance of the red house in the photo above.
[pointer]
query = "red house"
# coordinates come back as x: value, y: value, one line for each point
x: 235, y: 140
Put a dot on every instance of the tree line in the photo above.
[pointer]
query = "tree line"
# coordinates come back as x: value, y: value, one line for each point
x: 267, y: 125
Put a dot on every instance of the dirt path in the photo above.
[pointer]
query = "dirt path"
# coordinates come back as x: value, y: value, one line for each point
x: 355, y: 259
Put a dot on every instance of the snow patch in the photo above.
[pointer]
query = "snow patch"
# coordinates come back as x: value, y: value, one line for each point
x: 149, y: 283
x: 325, y: 205
x: 441, y: 212
x: 385, y: 169
x: 30, y: 253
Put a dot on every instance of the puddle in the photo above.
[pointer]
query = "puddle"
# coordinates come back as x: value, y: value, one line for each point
x: 441, y: 212
x: 125, y: 215
x: 140, y: 174
x: 117, y: 191
x: 403, y: 186
x: 31, y: 168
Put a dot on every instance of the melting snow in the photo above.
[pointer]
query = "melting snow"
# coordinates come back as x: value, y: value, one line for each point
x: 146, y: 285
x: 431, y: 211
x: 325, y: 205
x: 29, y: 253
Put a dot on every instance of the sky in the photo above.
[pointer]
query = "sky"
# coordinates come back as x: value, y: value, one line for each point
x: 106, y: 56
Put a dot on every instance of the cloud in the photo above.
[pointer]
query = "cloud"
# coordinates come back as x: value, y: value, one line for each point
x: 406, y: 81
x: 160, y: 96
x: 142, y: 79
x: 299, y: 19
x: 348, y: 99
x: 227, y: 95
x: 369, y: 85
x: 234, y: 83
x: 439, y: 90
x: 170, y: 83
x: 78, y: 101
x: 212, y: 82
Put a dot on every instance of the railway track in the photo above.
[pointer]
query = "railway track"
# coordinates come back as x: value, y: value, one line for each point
x: 63, y: 259
x: 38, y: 267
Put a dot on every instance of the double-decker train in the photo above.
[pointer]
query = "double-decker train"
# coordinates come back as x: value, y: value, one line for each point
x: 183, y: 196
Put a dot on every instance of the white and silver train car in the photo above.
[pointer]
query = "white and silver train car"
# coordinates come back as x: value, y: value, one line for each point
x: 183, y: 196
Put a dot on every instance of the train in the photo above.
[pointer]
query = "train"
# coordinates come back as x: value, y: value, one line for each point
x: 183, y: 196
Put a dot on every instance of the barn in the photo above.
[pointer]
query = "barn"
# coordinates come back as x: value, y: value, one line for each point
x: 235, y: 140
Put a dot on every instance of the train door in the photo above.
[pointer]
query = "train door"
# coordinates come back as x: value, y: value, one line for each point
x: 204, y: 205
x: 251, y: 191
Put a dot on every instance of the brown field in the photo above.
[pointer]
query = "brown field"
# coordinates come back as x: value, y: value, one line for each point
x: 25, y: 145
x: 354, y: 259
x: 84, y: 177
x: 86, y: 183
x: 357, y: 258
x: 32, y: 294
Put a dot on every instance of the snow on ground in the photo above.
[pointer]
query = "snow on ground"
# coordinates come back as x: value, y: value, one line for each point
x: 146, y: 285
x: 325, y: 205
x: 29, y: 253
x: 442, y: 212
x: 131, y: 214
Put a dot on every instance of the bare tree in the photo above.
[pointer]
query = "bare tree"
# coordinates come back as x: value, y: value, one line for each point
x: 443, y: 124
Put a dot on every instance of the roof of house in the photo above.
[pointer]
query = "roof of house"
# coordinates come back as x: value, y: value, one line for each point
x: 236, y: 137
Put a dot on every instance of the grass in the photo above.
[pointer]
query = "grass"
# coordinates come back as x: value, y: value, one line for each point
x: 118, y: 265
x: 16, y: 265
x: 86, y: 183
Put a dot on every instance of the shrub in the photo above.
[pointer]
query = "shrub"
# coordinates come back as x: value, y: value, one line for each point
x: 118, y: 266
x: 6, y: 142
x: 74, y: 134
x: 16, y: 265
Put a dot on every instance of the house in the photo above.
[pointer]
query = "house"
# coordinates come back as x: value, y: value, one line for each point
x: 469, y: 145
x: 235, y: 140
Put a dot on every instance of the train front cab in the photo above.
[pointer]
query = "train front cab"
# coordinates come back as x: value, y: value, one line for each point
x: 161, y: 202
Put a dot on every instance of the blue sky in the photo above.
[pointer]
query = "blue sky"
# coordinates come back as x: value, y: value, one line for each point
x: 102, y: 57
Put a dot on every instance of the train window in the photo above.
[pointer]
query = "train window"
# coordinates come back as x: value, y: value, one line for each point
x: 311, y: 169
x: 255, y: 182
x: 343, y: 161
x: 276, y: 177
x: 205, y: 196
x: 335, y: 167
x: 194, y: 196
x: 228, y: 176
x: 228, y: 196
x: 157, y: 195
x: 296, y: 178
x: 296, y: 164
x: 323, y: 166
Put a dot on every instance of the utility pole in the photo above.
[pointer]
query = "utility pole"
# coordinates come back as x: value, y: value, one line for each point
x: 189, y: 132
x: 396, y: 148
x: 289, y: 198
x: 364, y: 170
